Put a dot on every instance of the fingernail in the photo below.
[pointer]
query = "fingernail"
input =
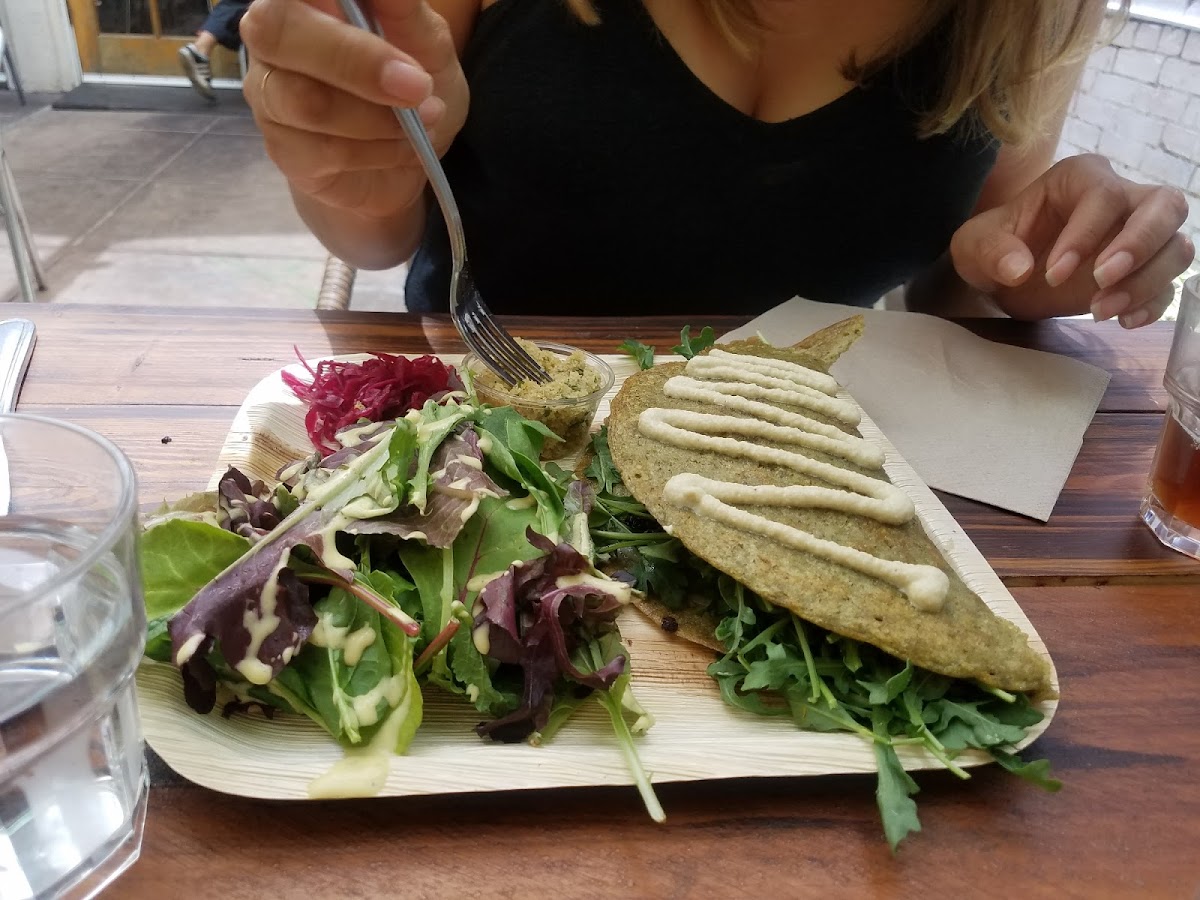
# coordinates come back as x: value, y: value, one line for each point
x: 1063, y: 269
x: 1013, y: 266
x: 1135, y: 319
x: 405, y: 82
x: 1108, y: 306
x: 1113, y: 269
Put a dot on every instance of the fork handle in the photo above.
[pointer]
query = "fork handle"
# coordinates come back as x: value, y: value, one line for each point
x: 414, y: 130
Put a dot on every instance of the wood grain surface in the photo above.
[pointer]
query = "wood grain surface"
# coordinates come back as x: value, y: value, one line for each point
x: 1120, y: 615
x: 1125, y: 742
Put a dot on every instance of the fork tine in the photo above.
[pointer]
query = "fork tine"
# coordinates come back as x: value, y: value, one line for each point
x: 484, y: 345
x: 520, y: 358
x: 507, y: 353
x: 514, y: 352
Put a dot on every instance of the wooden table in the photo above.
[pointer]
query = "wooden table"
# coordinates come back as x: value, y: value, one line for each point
x: 1120, y: 614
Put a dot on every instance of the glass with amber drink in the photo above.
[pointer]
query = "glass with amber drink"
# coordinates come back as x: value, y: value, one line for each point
x: 1172, y: 504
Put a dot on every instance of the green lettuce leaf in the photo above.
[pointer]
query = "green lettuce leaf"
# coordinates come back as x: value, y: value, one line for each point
x: 491, y: 541
x: 180, y: 556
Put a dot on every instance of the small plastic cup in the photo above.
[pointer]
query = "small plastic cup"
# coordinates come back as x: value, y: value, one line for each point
x: 1172, y: 505
x: 570, y: 418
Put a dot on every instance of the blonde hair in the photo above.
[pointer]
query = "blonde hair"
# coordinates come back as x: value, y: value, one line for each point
x: 1009, y: 62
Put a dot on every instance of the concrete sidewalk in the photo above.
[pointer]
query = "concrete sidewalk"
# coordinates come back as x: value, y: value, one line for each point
x: 163, y: 209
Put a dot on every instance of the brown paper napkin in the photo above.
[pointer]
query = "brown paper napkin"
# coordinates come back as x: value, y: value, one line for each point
x: 985, y: 421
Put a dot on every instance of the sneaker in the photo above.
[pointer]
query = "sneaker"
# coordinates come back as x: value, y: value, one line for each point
x: 198, y: 70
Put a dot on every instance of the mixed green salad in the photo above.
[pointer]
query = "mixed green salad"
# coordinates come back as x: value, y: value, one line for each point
x: 428, y: 551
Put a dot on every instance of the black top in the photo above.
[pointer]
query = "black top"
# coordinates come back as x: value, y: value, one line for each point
x: 597, y: 175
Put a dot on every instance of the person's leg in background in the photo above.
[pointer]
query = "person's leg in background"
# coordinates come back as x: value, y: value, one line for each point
x: 221, y: 27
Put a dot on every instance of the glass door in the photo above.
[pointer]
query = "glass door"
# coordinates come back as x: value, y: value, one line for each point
x: 141, y: 37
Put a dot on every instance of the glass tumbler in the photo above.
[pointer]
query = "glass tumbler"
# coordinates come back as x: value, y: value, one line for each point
x: 1172, y: 504
x: 73, y: 784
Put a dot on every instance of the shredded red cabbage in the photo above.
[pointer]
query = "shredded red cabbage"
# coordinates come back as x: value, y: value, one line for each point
x: 386, y: 387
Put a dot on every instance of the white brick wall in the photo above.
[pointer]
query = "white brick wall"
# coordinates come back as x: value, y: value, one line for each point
x: 1138, y: 102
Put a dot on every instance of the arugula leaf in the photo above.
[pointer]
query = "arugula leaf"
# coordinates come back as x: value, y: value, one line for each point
x: 832, y: 683
x: 601, y: 469
x: 1036, y: 772
x: 885, y: 692
x: 893, y: 796
x: 689, y: 346
x: 985, y: 730
x: 642, y: 354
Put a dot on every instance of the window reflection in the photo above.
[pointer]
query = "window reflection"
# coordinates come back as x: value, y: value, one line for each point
x: 180, y: 18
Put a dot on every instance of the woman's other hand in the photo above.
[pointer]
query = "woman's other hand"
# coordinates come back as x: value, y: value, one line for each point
x: 321, y: 92
x: 1079, y: 238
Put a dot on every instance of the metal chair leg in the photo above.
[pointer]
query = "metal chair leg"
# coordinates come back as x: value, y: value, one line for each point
x: 27, y: 234
x: 10, y: 69
x: 31, y: 251
x: 28, y: 267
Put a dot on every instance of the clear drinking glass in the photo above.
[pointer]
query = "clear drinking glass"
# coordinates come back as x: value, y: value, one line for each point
x: 1172, y: 504
x: 73, y: 782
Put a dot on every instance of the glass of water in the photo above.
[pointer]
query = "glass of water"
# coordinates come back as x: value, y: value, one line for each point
x: 73, y: 782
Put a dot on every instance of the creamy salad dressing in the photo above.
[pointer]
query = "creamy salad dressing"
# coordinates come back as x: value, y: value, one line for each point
x: 619, y: 589
x: 363, y: 771
x: 739, y: 383
x: 261, y: 624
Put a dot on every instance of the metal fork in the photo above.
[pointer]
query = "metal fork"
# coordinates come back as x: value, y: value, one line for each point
x: 480, y: 331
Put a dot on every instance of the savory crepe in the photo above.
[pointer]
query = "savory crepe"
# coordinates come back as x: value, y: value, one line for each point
x: 750, y: 457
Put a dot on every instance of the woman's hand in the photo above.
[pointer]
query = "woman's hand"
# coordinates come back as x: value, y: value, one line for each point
x: 1080, y: 237
x: 321, y: 92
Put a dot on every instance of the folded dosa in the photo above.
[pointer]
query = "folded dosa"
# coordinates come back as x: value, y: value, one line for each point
x: 964, y: 639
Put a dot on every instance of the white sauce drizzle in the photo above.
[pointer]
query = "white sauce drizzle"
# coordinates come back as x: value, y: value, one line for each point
x: 261, y: 625
x: 363, y: 771
x: 739, y: 383
x: 925, y: 586
x: 356, y: 644
x: 698, y: 431
x: 326, y: 634
x: 618, y: 589
x: 479, y: 582
x: 366, y: 706
x: 781, y: 368
x: 836, y: 443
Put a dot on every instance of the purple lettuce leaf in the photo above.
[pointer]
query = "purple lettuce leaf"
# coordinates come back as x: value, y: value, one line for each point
x: 580, y: 499
x: 458, y: 482
x: 236, y: 605
x: 532, y: 621
x: 245, y: 507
